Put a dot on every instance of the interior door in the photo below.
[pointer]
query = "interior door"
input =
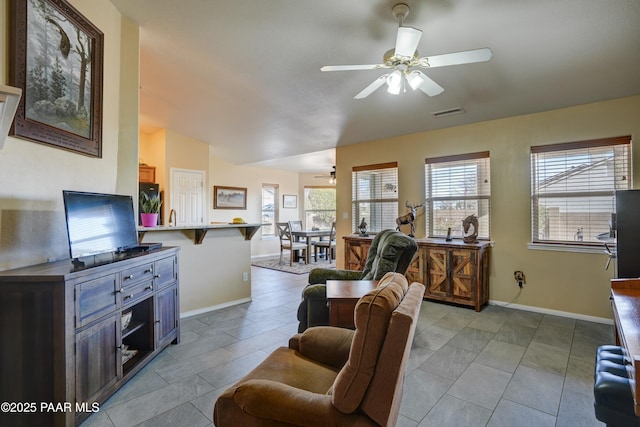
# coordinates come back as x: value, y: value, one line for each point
x: 187, y: 196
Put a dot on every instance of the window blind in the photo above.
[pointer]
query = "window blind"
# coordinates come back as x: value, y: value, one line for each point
x: 573, y: 189
x: 456, y: 187
x: 374, y: 196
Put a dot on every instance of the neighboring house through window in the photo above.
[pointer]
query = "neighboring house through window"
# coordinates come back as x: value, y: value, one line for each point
x: 269, y: 209
x: 573, y: 189
x: 456, y: 187
x: 319, y: 207
x: 374, y: 196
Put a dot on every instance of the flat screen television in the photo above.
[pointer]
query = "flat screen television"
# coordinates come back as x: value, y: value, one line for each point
x: 99, y: 223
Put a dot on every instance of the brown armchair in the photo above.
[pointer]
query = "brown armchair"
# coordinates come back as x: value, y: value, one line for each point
x: 390, y: 251
x: 332, y: 376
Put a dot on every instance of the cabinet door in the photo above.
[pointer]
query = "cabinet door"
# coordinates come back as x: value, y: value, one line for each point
x: 415, y: 272
x: 463, y: 270
x: 97, y: 358
x: 437, y: 268
x: 356, y: 254
x: 166, y: 315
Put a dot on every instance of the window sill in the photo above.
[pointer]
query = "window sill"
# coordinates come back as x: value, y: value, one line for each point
x: 567, y: 248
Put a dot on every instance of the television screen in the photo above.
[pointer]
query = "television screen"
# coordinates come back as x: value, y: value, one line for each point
x: 99, y: 223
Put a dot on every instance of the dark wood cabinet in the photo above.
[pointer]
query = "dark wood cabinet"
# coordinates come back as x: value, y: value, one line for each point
x: 73, y: 336
x: 455, y: 271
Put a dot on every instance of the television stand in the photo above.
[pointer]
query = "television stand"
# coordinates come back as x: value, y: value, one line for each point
x: 75, y: 336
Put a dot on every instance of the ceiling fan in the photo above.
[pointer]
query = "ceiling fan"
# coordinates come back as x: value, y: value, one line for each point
x: 405, y: 56
x: 331, y: 175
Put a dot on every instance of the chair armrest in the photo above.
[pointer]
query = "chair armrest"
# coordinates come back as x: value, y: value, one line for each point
x: 325, y: 344
x: 321, y: 275
x: 270, y: 400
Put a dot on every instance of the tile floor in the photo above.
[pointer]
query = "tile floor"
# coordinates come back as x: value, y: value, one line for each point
x: 499, y: 367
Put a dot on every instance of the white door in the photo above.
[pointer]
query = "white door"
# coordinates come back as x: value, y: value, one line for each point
x: 187, y: 196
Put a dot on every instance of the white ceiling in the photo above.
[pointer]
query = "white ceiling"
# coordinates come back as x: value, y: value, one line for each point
x: 244, y: 75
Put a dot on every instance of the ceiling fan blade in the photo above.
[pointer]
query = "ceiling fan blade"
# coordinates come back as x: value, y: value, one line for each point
x: 466, y: 57
x: 428, y: 86
x: 407, y: 41
x: 372, y: 87
x: 351, y: 67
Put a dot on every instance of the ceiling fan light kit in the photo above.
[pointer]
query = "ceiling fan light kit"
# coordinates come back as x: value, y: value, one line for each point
x: 405, y: 56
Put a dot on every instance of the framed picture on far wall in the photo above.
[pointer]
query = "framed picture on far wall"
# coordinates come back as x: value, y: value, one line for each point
x: 289, y: 201
x: 229, y: 197
x: 57, y: 60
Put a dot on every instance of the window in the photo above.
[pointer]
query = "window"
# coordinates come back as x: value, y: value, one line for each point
x: 456, y: 187
x: 319, y: 207
x: 269, y: 209
x: 375, y: 196
x: 573, y: 189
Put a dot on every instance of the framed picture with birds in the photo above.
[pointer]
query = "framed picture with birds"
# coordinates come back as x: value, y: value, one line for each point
x: 56, y: 58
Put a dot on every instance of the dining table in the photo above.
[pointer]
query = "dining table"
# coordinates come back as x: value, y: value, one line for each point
x: 308, y: 235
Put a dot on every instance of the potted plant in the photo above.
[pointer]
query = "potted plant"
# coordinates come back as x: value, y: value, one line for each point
x: 149, y: 209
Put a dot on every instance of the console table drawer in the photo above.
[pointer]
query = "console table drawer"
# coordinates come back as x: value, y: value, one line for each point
x: 133, y: 294
x: 95, y: 298
x: 133, y: 275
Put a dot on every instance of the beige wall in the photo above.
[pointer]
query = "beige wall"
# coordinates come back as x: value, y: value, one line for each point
x: 567, y: 282
x: 32, y: 225
x: 227, y: 174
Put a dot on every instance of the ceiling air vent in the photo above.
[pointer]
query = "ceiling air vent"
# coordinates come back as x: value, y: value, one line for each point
x: 449, y: 112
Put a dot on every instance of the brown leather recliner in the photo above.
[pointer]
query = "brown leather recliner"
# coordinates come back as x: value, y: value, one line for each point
x: 333, y: 376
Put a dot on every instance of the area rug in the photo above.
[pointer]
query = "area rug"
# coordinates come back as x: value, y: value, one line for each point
x: 296, y: 268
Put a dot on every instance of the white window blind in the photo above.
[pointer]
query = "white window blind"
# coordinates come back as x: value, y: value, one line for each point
x: 456, y: 187
x: 573, y: 189
x: 374, y: 196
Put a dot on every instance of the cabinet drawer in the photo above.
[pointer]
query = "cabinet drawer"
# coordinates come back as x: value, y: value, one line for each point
x: 134, y: 275
x: 136, y: 292
x: 165, y: 271
x: 95, y: 298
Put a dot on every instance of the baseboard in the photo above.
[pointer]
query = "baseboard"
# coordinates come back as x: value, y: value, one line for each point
x: 213, y: 308
x: 268, y: 256
x: 553, y: 312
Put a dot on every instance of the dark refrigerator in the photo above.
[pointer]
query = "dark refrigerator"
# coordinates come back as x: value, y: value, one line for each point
x: 152, y: 190
x: 627, y: 233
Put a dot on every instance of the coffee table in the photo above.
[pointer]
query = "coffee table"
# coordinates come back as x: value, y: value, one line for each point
x: 342, y: 296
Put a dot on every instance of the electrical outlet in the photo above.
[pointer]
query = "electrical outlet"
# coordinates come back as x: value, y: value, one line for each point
x: 245, y: 277
x: 520, y: 278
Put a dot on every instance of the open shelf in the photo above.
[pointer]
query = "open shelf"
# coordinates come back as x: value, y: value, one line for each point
x: 133, y: 326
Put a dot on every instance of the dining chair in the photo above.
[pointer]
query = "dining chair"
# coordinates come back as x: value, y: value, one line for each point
x: 287, y: 242
x: 328, y: 247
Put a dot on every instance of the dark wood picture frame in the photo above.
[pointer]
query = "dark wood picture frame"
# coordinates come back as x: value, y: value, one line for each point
x: 229, y: 197
x: 56, y: 58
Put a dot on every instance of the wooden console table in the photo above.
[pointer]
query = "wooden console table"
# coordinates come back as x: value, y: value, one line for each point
x: 342, y: 296
x: 455, y: 271
x: 74, y: 335
x: 625, y: 301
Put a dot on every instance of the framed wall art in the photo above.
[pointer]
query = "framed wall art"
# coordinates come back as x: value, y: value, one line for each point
x: 289, y: 201
x: 56, y: 58
x: 229, y: 197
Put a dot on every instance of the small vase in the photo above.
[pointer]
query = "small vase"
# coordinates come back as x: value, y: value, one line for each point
x: 149, y: 219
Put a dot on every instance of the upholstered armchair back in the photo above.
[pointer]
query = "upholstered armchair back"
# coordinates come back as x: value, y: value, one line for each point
x: 372, y: 378
x: 390, y: 251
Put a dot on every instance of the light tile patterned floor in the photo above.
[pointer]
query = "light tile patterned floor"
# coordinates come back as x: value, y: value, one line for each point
x: 499, y: 367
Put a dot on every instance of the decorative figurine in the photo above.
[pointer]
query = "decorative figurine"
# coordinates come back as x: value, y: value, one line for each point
x: 408, y: 218
x: 363, y: 228
x: 469, y: 221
